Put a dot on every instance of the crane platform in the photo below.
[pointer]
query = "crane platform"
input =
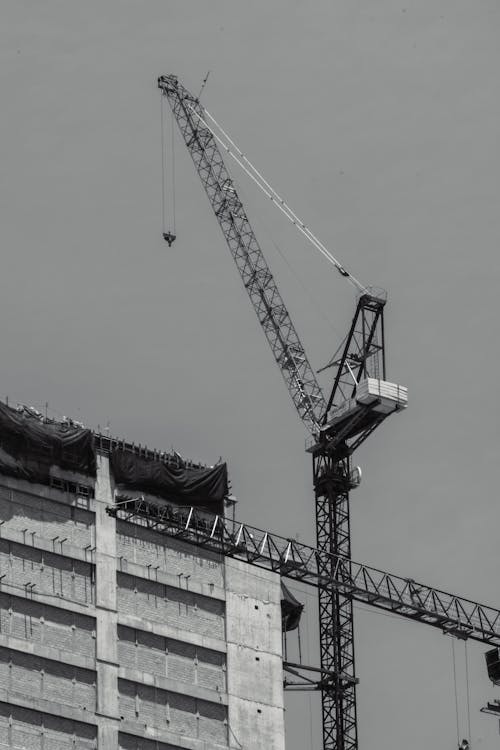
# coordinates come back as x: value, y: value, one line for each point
x: 372, y: 401
x: 383, y: 397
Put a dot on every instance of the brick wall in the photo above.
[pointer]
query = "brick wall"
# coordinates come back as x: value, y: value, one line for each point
x: 24, y: 729
x: 167, y: 657
x: 176, y: 607
x: 47, y: 626
x: 45, y: 517
x: 30, y: 675
x: 181, y: 714
x: 52, y: 574
x: 146, y: 547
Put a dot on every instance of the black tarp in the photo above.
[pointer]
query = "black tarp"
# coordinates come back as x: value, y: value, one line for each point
x: 291, y: 609
x: 30, y: 446
x: 205, y: 488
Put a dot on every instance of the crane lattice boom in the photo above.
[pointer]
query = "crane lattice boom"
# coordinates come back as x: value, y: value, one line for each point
x: 256, y: 275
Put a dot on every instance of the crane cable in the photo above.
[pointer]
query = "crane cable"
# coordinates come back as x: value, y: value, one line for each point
x: 468, y: 691
x: 292, y: 215
x: 163, y: 170
x: 172, y: 159
x: 167, y: 211
x: 467, y: 685
x: 455, y: 686
x: 269, y: 191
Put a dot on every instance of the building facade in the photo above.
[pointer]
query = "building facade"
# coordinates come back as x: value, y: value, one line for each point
x: 114, y: 636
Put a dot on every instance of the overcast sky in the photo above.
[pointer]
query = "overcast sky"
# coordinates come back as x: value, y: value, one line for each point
x: 379, y: 123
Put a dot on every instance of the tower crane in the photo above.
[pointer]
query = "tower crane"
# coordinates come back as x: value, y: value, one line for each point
x: 359, y: 401
x: 451, y: 614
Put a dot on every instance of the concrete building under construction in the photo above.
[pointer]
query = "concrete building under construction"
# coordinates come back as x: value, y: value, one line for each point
x: 113, y: 635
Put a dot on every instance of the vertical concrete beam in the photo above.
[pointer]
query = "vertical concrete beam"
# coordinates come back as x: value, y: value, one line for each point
x: 106, y: 614
x: 107, y: 734
x: 254, y: 657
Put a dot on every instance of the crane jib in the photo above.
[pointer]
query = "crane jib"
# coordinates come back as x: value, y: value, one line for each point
x: 257, y: 278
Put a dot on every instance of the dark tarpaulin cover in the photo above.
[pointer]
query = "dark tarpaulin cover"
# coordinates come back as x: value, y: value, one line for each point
x: 29, y: 447
x: 291, y: 609
x: 205, y: 488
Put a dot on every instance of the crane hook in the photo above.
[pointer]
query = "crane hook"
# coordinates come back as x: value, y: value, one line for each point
x: 169, y: 237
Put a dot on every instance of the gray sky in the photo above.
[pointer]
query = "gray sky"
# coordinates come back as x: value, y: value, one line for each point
x: 379, y: 123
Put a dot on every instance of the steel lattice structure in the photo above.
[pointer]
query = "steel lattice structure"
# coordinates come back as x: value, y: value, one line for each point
x: 254, y: 270
x: 333, y: 444
x: 450, y: 613
x: 362, y: 356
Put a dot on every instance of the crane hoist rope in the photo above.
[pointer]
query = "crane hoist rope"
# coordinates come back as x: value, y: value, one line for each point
x: 167, y: 191
x: 465, y: 745
x: 246, y: 165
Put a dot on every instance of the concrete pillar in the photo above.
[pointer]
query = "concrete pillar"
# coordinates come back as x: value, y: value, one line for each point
x: 106, y: 614
x: 254, y: 657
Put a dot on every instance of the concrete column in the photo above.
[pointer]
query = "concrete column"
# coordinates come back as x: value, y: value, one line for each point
x: 254, y: 658
x: 106, y: 614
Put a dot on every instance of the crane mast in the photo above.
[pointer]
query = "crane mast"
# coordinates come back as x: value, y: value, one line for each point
x: 338, y: 424
x: 363, y: 356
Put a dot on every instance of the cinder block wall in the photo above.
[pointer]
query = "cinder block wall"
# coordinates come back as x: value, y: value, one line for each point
x: 114, y: 636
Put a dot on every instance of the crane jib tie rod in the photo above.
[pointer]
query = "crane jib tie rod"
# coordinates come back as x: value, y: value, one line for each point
x: 239, y: 157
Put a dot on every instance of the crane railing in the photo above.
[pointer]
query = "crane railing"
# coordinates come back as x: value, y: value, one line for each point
x: 452, y: 614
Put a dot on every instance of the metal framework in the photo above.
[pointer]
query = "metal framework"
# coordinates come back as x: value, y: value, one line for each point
x: 449, y: 613
x: 362, y: 356
x: 363, y: 352
x: 256, y: 275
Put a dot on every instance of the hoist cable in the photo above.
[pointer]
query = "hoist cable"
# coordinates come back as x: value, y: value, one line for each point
x: 162, y: 167
x: 468, y: 691
x: 172, y: 159
x: 309, y: 649
x: 280, y: 203
x: 455, y: 686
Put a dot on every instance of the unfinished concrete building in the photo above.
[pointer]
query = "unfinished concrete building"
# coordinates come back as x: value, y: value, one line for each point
x: 111, y: 634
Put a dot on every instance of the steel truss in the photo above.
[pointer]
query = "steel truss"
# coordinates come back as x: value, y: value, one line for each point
x: 335, y: 606
x: 245, y: 249
x: 307, y: 677
x: 362, y: 356
x: 452, y: 614
x: 363, y: 352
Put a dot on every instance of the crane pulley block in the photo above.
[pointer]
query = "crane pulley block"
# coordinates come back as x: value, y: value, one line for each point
x: 169, y: 238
